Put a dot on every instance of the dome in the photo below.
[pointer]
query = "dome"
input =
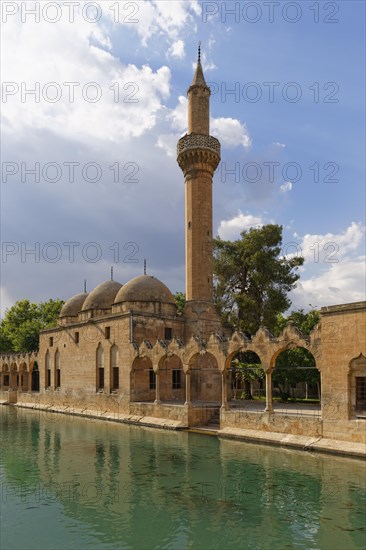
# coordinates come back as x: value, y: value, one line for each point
x: 145, y: 289
x: 102, y: 296
x: 73, y: 305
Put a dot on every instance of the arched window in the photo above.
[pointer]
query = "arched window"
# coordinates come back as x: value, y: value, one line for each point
x: 100, y: 368
x: 57, y: 370
x: 114, y: 368
x: 35, y: 377
x: 47, y: 370
x: 358, y: 386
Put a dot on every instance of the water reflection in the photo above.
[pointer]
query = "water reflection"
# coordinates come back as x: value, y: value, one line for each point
x: 73, y: 482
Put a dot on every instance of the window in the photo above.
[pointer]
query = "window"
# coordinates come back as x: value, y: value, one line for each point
x: 152, y: 379
x: 360, y: 393
x: 177, y: 379
x: 58, y: 370
x: 100, y: 378
x: 168, y: 333
x: 77, y: 337
x: 115, y: 380
x: 100, y: 368
x: 6, y: 380
x: 48, y: 370
x: 58, y: 378
x: 51, y: 341
x: 107, y: 333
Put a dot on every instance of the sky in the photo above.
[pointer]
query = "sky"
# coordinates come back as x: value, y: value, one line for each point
x: 94, y: 100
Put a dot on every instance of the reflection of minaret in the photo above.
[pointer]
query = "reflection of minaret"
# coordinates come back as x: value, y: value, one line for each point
x: 198, y: 157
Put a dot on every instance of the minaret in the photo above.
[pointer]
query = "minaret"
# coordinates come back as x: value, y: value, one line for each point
x: 198, y: 155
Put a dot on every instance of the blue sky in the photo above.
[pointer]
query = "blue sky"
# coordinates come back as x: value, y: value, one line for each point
x: 147, y: 52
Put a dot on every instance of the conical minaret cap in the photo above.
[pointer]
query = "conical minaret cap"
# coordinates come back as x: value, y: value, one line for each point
x: 199, y: 79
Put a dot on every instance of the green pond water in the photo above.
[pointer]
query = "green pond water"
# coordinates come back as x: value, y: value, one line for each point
x: 75, y: 483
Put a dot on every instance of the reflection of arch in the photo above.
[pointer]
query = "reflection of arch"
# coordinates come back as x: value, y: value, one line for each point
x: 35, y: 377
x: 205, y: 378
x: 357, y: 385
x: 100, y: 368
x: 295, y: 373
x: 114, y: 368
x: 142, y: 380
x: 172, y: 379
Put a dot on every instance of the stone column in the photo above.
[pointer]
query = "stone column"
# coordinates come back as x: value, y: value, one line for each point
x: 224, y: 389
x: 157, y: 389
x: 269, y: 401
x: 188, y: 388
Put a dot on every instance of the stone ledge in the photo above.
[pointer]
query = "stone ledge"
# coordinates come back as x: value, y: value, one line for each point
x: 137, y: 420
x: 323, y: 445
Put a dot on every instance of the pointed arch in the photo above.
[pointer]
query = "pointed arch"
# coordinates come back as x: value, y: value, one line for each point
x: 357, y: 386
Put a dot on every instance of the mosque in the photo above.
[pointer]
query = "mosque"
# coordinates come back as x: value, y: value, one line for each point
x: 123, y: 352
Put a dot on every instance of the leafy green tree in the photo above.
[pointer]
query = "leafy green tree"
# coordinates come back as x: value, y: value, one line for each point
x: 305, y: 322
x: 19, y: 330
x: 246, y: 368
x: 252, y: 280
x: 180, y: 300
x: 298, y: 364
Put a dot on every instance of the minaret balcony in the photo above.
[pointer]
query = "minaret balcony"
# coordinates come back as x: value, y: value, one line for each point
x: 198, y: 152
x: 198, y: 141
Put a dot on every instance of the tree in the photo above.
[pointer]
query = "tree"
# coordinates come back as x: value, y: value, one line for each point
x: 246, y: 368
x: 252, y: 281
x: 19, y: 330
x: 298, y: 364
x: 180, y: 301
x: 305, y: 322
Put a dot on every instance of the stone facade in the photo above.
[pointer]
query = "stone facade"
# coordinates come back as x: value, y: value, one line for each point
x: 122, y: 352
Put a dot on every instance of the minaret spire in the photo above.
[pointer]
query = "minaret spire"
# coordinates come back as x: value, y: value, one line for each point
x: 199, y: 102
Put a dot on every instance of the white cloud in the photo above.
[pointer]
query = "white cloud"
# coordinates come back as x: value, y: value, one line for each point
x: 332, y: 246
x: 286, y: 187
x: 6, y: 301
x: 168, y: 142
x: 334, y: 271
x: 130, y: 98
x: 341, y: 283
x: 231, y: 132
x: 178, y: 117
x: 278, y: 144
x: 159, y: 17
x: 230, y: 230
x: 177, y: 49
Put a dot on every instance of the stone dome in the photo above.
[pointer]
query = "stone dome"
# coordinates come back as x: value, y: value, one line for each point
x: 73, y: 305
x: 145, y: 288
x: 102, y: 297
